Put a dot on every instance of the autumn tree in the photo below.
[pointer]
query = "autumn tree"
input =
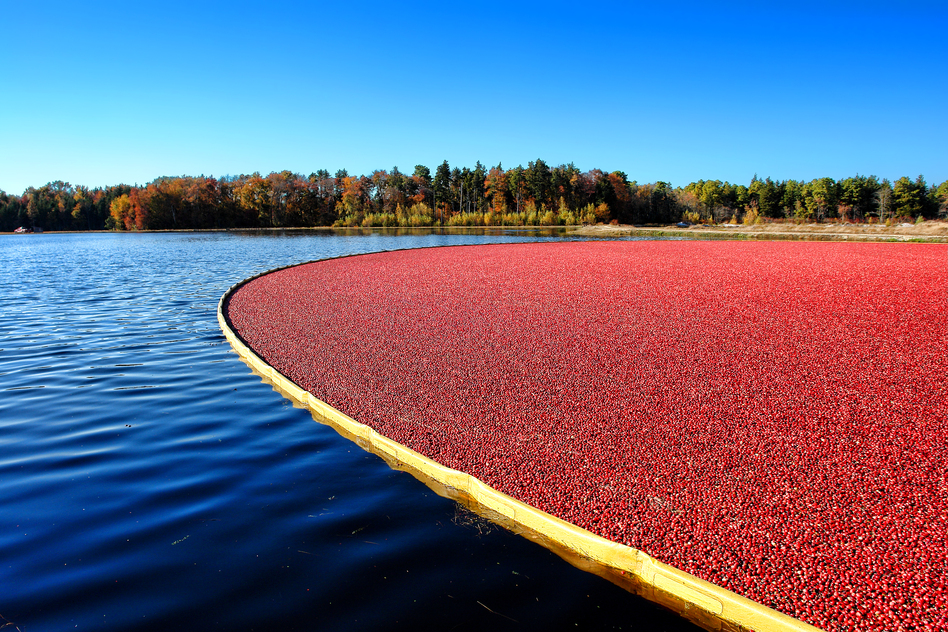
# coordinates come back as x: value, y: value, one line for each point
x: 462, y: 196
x: 355, y: 199
x: 420, y: 185
x: 622, y: 206
x: 166, y: 201
x: 495, y: 187
x: 254, y: 196
x: 119, y: 210
x: 81, y: 212
x: 138, y: 207
x: 339, y: 184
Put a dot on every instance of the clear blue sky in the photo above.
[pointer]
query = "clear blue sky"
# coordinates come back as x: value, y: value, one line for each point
x: 101, y: 93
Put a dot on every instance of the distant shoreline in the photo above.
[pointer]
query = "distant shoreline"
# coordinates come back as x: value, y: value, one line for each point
x: 932, y: 231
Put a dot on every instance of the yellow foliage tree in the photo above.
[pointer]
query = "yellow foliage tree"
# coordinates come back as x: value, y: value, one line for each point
x: 120, y: 209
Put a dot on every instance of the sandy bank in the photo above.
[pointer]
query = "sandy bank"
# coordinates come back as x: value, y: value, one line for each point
x: 933, y: 231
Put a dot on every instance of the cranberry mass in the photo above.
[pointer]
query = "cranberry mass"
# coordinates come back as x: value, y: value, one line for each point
x: 770, y: 417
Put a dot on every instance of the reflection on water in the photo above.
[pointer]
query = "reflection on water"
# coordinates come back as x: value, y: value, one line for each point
x: 149, y: 481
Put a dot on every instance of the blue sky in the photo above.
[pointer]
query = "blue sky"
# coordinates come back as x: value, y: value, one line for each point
x: 101, y: 93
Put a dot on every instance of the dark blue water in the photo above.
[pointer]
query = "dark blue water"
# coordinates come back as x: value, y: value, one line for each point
x: 149, y: 481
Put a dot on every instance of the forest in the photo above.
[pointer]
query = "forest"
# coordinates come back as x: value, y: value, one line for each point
x: 520, y: 196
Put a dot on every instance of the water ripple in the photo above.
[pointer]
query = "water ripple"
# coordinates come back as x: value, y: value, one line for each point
x: 150, y: 481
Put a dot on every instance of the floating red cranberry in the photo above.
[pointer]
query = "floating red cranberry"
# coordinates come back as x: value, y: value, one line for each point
x: 770, y: 417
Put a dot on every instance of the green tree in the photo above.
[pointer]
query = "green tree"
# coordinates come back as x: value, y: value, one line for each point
x: 378, y: 182
x: 539, y: 183
x: 478, y: 176
x: 339, y: 186
x: 662, y: 207
x: 820, y: 199
x: 517, y: 185
x: 791, y: 197
x: 766, y: 194
x: 441, y: 186
x: 457, y: 189
x: 10, y: 209
x: 857, y: 196
x: 907, y: 197
x: 711, y: 194
x: 423, y: 175
x: 929, y: 201
x: 397, y: 190
x: 941, y: 199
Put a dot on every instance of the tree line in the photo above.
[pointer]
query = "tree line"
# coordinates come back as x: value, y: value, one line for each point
x: 534, y: 195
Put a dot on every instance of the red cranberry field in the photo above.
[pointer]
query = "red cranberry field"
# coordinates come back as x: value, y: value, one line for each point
x: 771, y: 417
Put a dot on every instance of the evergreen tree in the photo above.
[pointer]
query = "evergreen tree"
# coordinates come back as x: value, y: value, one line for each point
x: 539, y: 183
x: 442, y: 186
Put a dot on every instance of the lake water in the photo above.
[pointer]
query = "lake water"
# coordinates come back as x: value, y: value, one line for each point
x: 150, y: 481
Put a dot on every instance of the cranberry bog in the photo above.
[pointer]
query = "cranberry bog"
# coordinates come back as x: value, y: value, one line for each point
x: 767, y: 417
